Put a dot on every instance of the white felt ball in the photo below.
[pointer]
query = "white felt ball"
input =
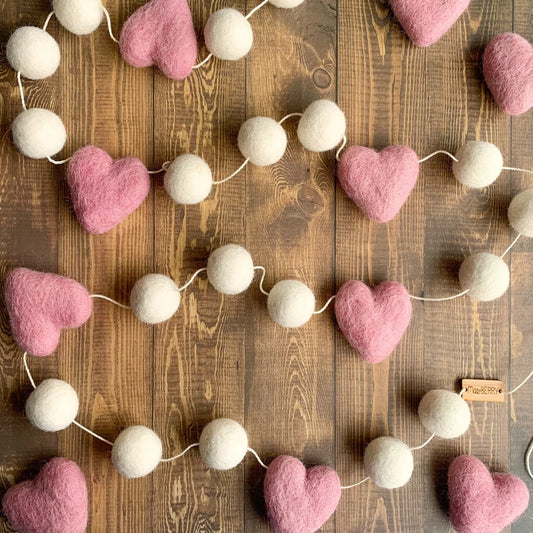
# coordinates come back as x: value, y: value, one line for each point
x: 136, y: 452
x: 479, y: 164
x: 444, y: 413
x: 38, y: 133
x: 228, y: 35
x: 33, y: 52
x: 485, y: 276
x: 79, y: 16
x: 230, y: 269
x: 262, y: 140
x: 322, y: 126
x: 188, y: 179
x: 388, y: 462
x: 155, y: 298
x: 291, y: 303
x: 520, y: 213
x: 223, y: 444
x: 52, y: 406
x: 286, y: 3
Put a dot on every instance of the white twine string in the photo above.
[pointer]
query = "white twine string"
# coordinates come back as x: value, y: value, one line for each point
x: 102, y: 297
x: 164, y: 168
x: 47, y: 21
x: 262, y: 280
x: 341, y: 148
x: 290, y: 115
x: 320, y: 311
x: 22, y: 99
x: 109, y: 27
x: 232, y: 175
x: 193, y: 277
x: 419, y: 298
x: 258, y: 458
x: 257, y: 8
x: 510, y: 246
x: 439, y: 152
x: 196, y: 444
x: 202, y: 63
x: 56, y: 162
x: 518, y: 169
x: 356, y: 484
x: 530, y: 375
x: 423, y: 445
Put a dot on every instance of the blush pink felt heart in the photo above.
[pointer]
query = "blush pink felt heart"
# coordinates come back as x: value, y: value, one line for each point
x: 54, y: 502
x: 40, y: 305
x: 481, y: 501
x: 426, y: 21
x: 373, y: 320
x: 300, y: 500
x: 378, y: 182
x: 508, y: 71
x: 161, y: 33
x: 104, y: 192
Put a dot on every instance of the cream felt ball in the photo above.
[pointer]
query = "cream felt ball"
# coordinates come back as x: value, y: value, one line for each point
x: 262, y: 140
x: 52, y: 406
x: 136, y: 452
x: 188, y: 179
x: 223, y: 444
x: 287, y: 4
x: 230, y: 269
x: 479, y: 164
x: 388, y: 462
x: 228, y: 34
x: 322, y: 126
x: 33, y: 52
x: 80, y: 17
x: 520, y: 213
x: 444, y: 413
x: 155, y: 298
x: 485, y: 276
x: 291, y: 303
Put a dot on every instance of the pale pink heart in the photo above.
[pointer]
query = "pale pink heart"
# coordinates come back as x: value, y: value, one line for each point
x: 300, y: 500
x: 104, y: 192
x: 481, y: 501
x: 161, y: 33
x: 373, y: 320
x: 378, y: 182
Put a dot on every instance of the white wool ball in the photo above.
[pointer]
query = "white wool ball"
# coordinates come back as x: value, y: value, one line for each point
x: 52, y: 406
x: 520, y: 213
x: 228, y: 35
x: 286, y: 3
x: 230, y: 269
x: 388, y: 462
x: 479, y: 164
x: 188, y: 179
x: 136, y: 452
x: 38, y: 133
x: 80, y: 17
x: 485, y: 276
x: 223, y: 444
x: 322, y: 126
x: 291, y: 303
x: 155, y: 298
x: 33, y: 52
x: 262, y: 140
x: 444, y: 413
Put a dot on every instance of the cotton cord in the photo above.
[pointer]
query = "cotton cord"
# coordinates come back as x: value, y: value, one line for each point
x: 510, y: 246
x: 232, y: 175
x: 252, y: 451
x: 257, y: 8
x: 341, y: 148
x: 423, y: 445
x: 530, y: 375
x: 290, y: 115
x: 202, y: 63
x: 47, y: 21
x: 164, y: 168
x: 356, y: 484
x: 262, y: 280
x: 320, y: 311
x: 518, y: 170
x: 195, y: 445
x: 192, y: 278
x: 419, y: 298
x: 528, y: 458
x: 451, y: 156
x: 109, y: 27
x: 56, y: 162
x: 101, y: 297
x: 22, y: 99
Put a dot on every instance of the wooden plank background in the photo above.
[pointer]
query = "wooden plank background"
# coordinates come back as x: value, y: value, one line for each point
x: 300, y: 392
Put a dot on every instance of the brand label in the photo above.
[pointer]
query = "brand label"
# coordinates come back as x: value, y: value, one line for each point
x: 483, y: 390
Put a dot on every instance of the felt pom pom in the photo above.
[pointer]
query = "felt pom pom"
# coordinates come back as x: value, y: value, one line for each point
x: 33, y: 52
x: 54, y: 502
x: 480, y: 163
x: 287, y: 4
x: 155, y: 298
x: 230, y: 269
x: 80, y: 17
x: 188, y: 179
x: 52, y: 406
x: 136, y: 452
x: 291, y: 303
x: 223, y: 444
x: 388, y: 462
x: 262, y: 140
x: 485, y: 276
x: 444, y: 413
x: 520, y: 213
x: 38, y: 133
x: 228, y: 34
x: 322, y: 126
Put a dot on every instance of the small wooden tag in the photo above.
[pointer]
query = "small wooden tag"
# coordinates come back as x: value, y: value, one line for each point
x: 483, y: 390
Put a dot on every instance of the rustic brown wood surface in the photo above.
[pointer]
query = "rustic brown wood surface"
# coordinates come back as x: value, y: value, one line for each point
x: 300, y: 392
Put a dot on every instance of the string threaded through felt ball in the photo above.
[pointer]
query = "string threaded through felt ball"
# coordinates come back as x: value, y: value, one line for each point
x: 520, y: 213
x: 262, y: 140
x: 478, y: 164
x: 444, y: 413
x: 80, y: 17
x: 155, y: 298
x: 188, y: 179
x: 322, y: 126
x: 485, y: 276
x: 291, y: 303
x: 230, y: 269
x: 228, y: 34
x: 223, y: 444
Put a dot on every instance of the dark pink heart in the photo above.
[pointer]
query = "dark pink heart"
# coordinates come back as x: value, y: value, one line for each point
x: 379, y: 182
x: 508, y: 71
x: 481, y: 501
x: 161, y: 33
x: 426, y: 21
x: 104, y: 192
x: 40, y: 305
x: 300, y: 500
x: 373, y: 320
x: 54, y: 502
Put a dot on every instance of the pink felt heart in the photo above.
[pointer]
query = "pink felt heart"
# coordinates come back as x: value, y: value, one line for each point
x: 508, y: 71
x: 40, y: 305
x: 104, y: 192
x: 426, y: 21
x: 481, y: 501
x: 54, y: 502
x: 161, y: 33
x: 373, y: 320
x: 300, y: 500
x: 378, y: 182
